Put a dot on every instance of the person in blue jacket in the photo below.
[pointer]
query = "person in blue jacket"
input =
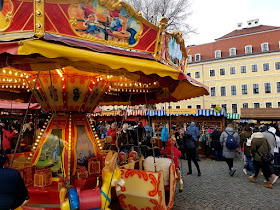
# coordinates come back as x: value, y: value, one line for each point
x: 164, y: 135
x: 13, y: 192
x: 194, y: 131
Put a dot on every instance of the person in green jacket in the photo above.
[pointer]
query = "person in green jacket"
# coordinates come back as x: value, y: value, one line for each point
x: 260, y: 146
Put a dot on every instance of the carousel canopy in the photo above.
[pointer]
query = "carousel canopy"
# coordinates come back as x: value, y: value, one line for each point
x: 91, y: 52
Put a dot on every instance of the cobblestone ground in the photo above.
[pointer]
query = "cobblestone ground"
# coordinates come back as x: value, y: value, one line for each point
x: 215, y: 189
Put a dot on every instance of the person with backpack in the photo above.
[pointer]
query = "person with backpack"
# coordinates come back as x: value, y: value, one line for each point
x: 260, y: 150
x: 190, y: 148
x: 230, y: 141
x: 245, y: 142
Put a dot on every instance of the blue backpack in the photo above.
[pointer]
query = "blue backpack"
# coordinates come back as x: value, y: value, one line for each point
x: 231, y: 142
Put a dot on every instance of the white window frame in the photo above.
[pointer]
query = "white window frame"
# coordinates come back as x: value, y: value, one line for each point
x: 275, y: 65
x: 253, y: 88
x: 268, y: 102
x: 198, y: 74
x: 268, y: 66
x: 246, y: 89
x: 222, y: 106
x: 199, y: 57
x: 241, y: 70
x: 252, y: 67
x: 221, y: 90
x: 264, y: 87
x: 213, y: 106
x: 250, y: 48
x: 256, y: 103
x: 245, y: 103
x: 236, y: 108
x: 218, y: 53
x: 230, y: 54
x: 276, y: 86
x: 230, y: 70
x: 262, y: 46
x: 224, y: 71
x: 235, y: 90
x: 210, y: 72
x: 189, y: 107
x: 211, y: 91
x: 178, y: 106
x: 189, y: 58
x: 278, y: 103
x: 198, y: 105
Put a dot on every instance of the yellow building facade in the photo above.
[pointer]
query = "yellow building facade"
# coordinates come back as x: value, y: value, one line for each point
x: 241, y: 69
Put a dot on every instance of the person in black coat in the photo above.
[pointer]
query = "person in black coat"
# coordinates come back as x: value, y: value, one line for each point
x: 190, y: 149
x: 215, y: 135
x: 13, y: 192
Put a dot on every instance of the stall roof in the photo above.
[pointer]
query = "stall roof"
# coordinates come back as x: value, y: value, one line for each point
x: 260, y: 113
x: 12, y: 105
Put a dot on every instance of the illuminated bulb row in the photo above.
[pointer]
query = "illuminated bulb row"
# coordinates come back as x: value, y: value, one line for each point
x: 35, y: 145
x: 128, y: 90
x: 15, y: 86
x: 16, y: 73
x: 69, y: 145
x: 96, y: 137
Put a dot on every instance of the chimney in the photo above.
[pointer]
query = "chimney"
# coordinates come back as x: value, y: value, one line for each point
x: 239, y: 26
x: 253, y: 23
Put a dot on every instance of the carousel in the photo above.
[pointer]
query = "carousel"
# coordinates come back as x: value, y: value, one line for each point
x: 70, y: 56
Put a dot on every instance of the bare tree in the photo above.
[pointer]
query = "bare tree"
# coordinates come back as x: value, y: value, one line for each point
x: 176, y: 11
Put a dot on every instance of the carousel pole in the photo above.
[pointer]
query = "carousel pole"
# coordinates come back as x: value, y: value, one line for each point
x: 24, y: 121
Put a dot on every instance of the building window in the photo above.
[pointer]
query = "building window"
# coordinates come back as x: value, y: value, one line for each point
x: 213, y: 106
x: 232, y: 70
x: 213, y: 91
x: 224, y: 106
x: 277, y: 65
x: 245, y: 105
x: 198, y: 106
x: 212, y: 73
x: 197, y: 57
x: 189, y: 106
x: 222, y: 72
x: 278, y: 87
x: 197, y: 74
x: 256, y: 105
x: 266, y: 66
x: 223, y: 91
x: 243, y: 69
x: 254, y: 68
x: 189, y: 74
x: 278, y: 104
x: 178, y: 107
x: 256, y: 89
x: 189, y: 58
x: 169, y: 107
x: 244, y: 89
x: 248, y: 49
x: 267, y: 87
x: 218, y: 54
x: 232, y: 51
x: 268, y: 105
x: 234, y: 108
x: 265, y: 47
x: 233, y: 90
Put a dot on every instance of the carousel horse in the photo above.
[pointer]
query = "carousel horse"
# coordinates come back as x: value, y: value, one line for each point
x: 95, y: 198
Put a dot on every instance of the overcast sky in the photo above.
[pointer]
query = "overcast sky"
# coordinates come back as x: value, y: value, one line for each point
x: 215, y: 18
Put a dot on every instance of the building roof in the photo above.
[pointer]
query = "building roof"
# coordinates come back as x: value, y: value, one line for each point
x: 238, y: 39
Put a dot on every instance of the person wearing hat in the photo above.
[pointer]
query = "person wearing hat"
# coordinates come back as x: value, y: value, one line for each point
x: 13, y: 192
x: 90, y: 21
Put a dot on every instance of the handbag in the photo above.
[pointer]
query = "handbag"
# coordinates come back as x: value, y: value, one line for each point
x: 267, y: 158
x: 249, y: 142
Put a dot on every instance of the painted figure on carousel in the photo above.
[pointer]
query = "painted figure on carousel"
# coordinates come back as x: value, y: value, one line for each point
x: 81, y: 157
x: 54, y: 153
x: 90, y: 22
x: 116, y: 22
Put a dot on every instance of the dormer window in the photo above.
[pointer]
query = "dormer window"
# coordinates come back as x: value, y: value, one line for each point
x: 189, y: 58
x: 197, y: 57
x: 218, y: 54
x: 265, y: 47
x: 248, y: 49
x: 232, y: 52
